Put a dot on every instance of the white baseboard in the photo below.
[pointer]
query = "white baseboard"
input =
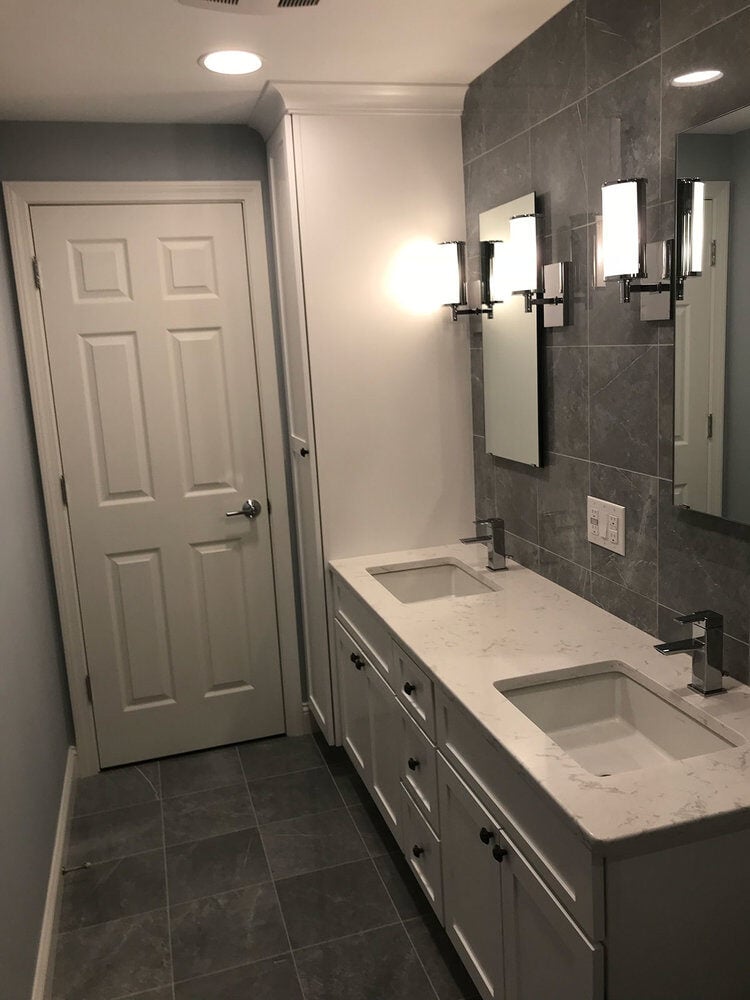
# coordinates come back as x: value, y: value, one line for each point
x: 45, y: 964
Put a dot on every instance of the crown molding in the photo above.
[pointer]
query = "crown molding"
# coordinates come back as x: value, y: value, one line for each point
x: 279, y: 98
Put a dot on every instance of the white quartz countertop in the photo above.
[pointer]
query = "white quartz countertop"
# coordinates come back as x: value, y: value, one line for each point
x: 532, y: 626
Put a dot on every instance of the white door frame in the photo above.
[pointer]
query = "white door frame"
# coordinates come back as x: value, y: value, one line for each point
x: 19, y: 198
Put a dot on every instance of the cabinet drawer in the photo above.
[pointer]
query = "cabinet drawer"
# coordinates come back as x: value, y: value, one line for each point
x: 366, y: 628
x: 563, y: 861
x: 419, y: 769
x: 415, y: 690
x: 422, y: 851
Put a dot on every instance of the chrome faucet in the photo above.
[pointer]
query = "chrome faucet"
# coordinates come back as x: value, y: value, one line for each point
x: 495, y: 542
x: 707, y: 647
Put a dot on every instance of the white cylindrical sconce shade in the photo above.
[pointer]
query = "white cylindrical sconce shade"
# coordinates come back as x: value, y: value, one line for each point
x: 450, y: 278
x: 624, y: 229
x: 691, y: 207
x: 495, y: 272
x: 524, y: 253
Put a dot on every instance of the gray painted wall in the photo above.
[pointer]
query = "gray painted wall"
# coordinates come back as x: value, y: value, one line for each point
x: 34, y: 718
x: 587, y: 99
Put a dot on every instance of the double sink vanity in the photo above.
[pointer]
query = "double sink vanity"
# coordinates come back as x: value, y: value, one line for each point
x: 577, y: 817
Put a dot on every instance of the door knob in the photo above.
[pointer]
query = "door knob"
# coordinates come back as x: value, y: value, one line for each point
x: 249, y: 509
x: 304, y: 452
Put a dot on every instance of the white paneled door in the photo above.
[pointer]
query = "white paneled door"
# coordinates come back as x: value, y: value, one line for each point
x: 150, y: 339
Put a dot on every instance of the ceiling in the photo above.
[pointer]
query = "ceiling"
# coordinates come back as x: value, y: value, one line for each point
x: 136, y: 60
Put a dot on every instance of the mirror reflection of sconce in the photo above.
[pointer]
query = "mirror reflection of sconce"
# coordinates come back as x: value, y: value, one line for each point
x: 624, y: 240
x: 524, y: 273
x: 508, y: 268
x: 690, y: 231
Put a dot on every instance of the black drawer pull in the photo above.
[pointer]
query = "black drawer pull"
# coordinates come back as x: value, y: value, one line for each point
x: 486, y: 835
x: 417, y: 851
x: 357, y: 660
x: 498, y: 852
x: 409, y: 688
x: 413, y: 763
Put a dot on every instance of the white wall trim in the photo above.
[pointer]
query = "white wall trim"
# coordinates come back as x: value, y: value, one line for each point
x: 45, y: 959
x: 285, y: 97
x: 19, y: 198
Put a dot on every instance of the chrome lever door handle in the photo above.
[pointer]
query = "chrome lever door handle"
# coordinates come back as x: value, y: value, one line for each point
x: 249, y: 509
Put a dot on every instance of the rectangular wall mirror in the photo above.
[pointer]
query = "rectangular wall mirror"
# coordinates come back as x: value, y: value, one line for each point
x: 712, y: 328
x: 510, y: 345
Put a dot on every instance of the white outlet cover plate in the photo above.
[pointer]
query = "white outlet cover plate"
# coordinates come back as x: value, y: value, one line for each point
x: 606, y: 524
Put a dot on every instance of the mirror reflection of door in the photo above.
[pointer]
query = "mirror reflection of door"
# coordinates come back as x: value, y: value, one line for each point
x: 700, y: 348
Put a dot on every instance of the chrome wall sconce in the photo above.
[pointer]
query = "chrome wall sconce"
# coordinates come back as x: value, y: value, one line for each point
x: 452, y: 278
x: 508, y: 268
x: 690, y: 234
x: 624, y: 239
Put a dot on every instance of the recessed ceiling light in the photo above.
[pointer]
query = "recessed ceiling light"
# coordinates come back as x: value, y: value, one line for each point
x: 232, y: 62
x: 697, y: 78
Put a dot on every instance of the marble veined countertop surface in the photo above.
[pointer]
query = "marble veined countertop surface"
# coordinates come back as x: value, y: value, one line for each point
x: 530, y: 626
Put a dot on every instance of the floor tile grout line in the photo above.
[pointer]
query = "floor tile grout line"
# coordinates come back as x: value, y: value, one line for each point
x: 346, y: 937
x: 111, y: 809
x: 111, y: 859
x: 166, y: 885
x: 229, y: 968
x: 276, y: 895
x: 406, y: 932
x: 115, y: 920
x: 286, y: 774
x: 372, y: 860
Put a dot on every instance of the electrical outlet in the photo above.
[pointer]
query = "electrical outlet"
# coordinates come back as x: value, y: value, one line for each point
x: 606, y: 524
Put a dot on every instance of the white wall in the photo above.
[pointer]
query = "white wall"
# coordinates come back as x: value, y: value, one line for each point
x: 391, y: 390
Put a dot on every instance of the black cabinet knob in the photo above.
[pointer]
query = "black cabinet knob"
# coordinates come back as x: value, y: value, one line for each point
x: 498, y: 852
x: 417, y: 851
x: 486, y: 835
x: 413, y: 763
x: 409, y: 688
x: 304, y: 452
x: 357, y: 661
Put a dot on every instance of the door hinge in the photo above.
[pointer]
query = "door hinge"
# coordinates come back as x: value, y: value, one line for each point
x: 64, y: 491
x: 37, y: 272
x: 710, y: 426
x: 713, y: 253
x: 89, y: 695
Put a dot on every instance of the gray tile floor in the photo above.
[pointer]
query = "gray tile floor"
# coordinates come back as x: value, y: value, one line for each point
x: 260, y: 871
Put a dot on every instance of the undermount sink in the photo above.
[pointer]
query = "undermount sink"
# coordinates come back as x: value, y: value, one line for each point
x: 611, y: 723
x: 430, y: 580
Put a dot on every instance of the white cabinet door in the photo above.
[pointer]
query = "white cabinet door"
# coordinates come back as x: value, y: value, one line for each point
x: 472, y: 884
x: 546, y: 955
x: 352, y: 669
x: 385, y: 732
x: 282, y: 179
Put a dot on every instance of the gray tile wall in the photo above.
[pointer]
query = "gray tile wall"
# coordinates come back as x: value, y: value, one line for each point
x: 587, y: 99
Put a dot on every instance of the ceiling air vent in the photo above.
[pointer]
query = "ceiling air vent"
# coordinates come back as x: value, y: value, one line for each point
x: 248, y: 6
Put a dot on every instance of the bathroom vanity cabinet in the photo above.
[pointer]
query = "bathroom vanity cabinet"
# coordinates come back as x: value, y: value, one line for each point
x: 535, y: 910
